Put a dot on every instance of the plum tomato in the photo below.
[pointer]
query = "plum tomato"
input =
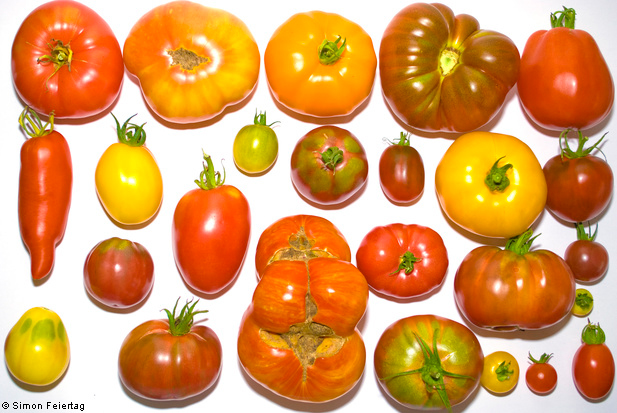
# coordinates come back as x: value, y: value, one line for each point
x: 401, y: 172
x: 593, y: 365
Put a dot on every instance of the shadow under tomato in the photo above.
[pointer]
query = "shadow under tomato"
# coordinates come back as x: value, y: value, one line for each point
x: 117, y: 310
x: 37, y: 389
x: 130, y: 226
x: 340, y: 205
x: 414, y: 299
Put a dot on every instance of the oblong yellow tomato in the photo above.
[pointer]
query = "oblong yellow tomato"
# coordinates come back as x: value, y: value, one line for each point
x: 37, y: 350
x: 320, y: 64
x: 491, y: 184
x: 192, y: 61
x: 128, y: 179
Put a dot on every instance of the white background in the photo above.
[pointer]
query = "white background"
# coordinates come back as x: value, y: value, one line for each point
x: 96, y: 334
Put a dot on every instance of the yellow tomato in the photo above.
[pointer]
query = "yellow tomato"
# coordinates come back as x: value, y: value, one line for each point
x: 491, y: 184
x: 128, y: 180
x: 500, y: 374
x: 583, y: 303
x: 37, y: 349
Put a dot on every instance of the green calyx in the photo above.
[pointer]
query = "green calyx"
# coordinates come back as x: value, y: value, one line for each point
x: 330, y: 52
x: 407, y: 262
x: 432, y: 371
x: 260, y: 119
x: 208, y: 177
x: 497, y: 178
x: 332, y: 157
x: 522, y: 243
x: 543, y: 359
x: 582, y: 235
x: 404, y: 140
x: 584, y: 300
x: 580, y: 152
x: 563, y: 18
x: 129, y: 133
x: 181, y: 325
x: 32, y: 124
x: 503, y: 371
x: 593, y: 334
x: 60, y: 55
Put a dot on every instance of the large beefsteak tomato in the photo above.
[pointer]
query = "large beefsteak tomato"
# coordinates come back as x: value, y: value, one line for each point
x: 191, y: 61
x: 66, y: 60
x: 441, y: 72
x: 298, y: 337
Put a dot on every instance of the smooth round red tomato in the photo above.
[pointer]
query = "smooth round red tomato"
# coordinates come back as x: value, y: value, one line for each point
x: 210, y: 232
x: 441, y: 72
x: 403, y: 261
x: 191, y: 61
x: 328, y: 165
x: 119, y: 273
x: 171, y: 359
x: 593, y: 365
x: 514, y: 288
x: 65, y: 59
x: 428, y: 362
x: 500, y: 373
x: 564, y: 81
x: 587, y: 258
x: 401, y: 172
x: 541, y: 377
x: 579, y: 185
x: 300, y: 238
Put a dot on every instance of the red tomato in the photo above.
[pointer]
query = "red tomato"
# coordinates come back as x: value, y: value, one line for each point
x: 119, y: 273
x: 587, y: 258
x: 514, y: 288
x: 541, y: 377
x: 401, y: 172
x: 593, y: 366
x: 66, y: 59
x: 210, y: 233
x: 300, y: 238
x: 171, y: 359
x: 403, y: 261
x: 564, y: 81
x: 579, y: 185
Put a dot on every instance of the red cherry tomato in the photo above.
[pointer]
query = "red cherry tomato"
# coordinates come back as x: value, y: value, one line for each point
x: 593, y: 366
x: 401, y: 172
x: 541, y: 377
x: 587, y: 258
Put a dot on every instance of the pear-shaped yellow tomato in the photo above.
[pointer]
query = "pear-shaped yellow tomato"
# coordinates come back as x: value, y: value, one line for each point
x: 128, y: 180
x: 37, y: 348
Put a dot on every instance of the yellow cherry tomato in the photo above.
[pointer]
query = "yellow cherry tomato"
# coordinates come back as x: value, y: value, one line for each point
x: 500, y: 374
x: 583, y: 303
x: 37, y: 349
x: 128, y: 180
x: 491, y: 184
x: 256, y: 146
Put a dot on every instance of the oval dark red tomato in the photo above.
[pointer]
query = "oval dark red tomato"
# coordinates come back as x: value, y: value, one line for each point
x: 593, y: 365
x: 401, y: 172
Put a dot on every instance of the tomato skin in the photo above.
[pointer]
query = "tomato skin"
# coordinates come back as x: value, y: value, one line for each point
x: 501, y: 372
x: 327, y: 182
x: 119, y: 273
x: 281, y: 317
x: 587, y: 259
x: 541, y: 377
x: 398, y: 351
x: 256, y: 146
x: 37, y: 349
x: 96, y: 70
x: 181, y: 92
x: 315, y: 88
x: 300, y: 237
x: 418, y: 83
x: 470, y: 203
x: 380, y: 257
x: 593, y: 365
x: 401, y: 173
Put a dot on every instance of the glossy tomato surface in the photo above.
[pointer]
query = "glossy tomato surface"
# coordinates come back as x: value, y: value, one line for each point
x: 299, y: 336
x: 256, y: 146
x: 441, y: 72
x: 66, y: 59
x: 401, y: 172
x: 418, y: 355
x: 593, y: 365
x: 337, y: 69
x: 403, y: 260
x: 501, y: 372
x: 192, y: 61
x: 541, y: 377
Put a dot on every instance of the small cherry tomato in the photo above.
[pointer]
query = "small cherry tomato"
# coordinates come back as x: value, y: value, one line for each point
x: 593, y: 366
x: 401, y: 172
x: 583, y: 303
x: 587, y: 258
x: 256, y: 146
x: 541, y: 377
x: 500, y: 373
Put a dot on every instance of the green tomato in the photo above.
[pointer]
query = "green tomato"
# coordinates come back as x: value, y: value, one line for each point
x: 256, y: 146
x: 37, y: 349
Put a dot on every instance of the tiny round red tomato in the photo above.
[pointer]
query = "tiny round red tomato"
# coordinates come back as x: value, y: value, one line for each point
x: 403, y: 261
x: 119, y: 273
x: 587, y: 258
x: 171, y: 359
x: 583, y: 303
x: 593, y: 366
x: 210, y: 232
x: 541, y: 377
x: 579, y: 185
x: 328, y: 165
x: 401, y: 172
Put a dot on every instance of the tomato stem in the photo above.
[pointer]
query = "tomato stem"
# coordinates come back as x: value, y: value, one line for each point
x: 522, y: 243
x: 260, y: 119
x: 332, y: 157
x: 208, y: 178
x: 330, y: 52
x: 503, y: 371
x: 544, y: 358
x: 593, y: 334
x: 59, y: 56
x: 497, y: 178
x: 563, y: 18
x: 584, y: 300
x: 181, y: 325
x: 582, y: 235
x: 407, y: 262
x: 130, y: 133
x: 580, y: 152
x: 33, y: 126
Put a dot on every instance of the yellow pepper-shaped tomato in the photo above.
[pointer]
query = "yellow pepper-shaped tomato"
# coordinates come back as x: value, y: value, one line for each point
x: 491, y: 184
x: 37, y: 348
x: 128, y: 179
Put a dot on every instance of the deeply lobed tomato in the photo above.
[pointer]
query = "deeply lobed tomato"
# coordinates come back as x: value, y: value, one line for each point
x: 541, y: 377
x: 403, y: 261
x: 593, y: 365
x: 65, y: 59
x: 500, y: 373
x: 256, y: 146
x: 37, y: 349
x: 401, y: 172
x: 337, y: 69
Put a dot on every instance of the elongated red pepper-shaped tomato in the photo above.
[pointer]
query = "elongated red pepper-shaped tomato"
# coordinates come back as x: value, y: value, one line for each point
x: 45, y: 185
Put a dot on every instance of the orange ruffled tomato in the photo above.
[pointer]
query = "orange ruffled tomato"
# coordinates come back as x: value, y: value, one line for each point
x: 192, y: 61
x: 320, y: 64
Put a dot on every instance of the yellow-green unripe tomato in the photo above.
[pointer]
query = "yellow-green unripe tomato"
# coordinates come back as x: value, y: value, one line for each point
x: 36, y: 350
x: 256, y: 146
